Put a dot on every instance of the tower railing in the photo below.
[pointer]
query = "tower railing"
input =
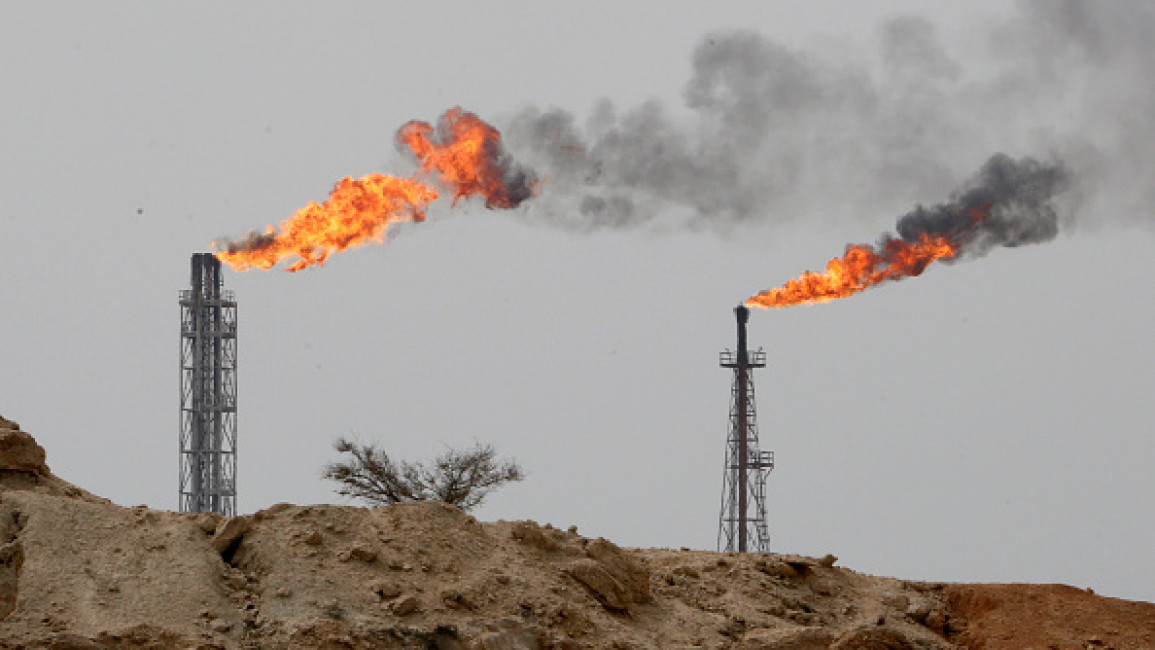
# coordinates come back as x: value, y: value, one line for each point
x: 729, y: 359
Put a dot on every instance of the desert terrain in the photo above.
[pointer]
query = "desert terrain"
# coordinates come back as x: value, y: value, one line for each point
x: 77, y: 571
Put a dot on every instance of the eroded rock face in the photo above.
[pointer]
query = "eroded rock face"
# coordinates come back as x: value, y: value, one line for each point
x: 631, y: 574
x: 23, y: 466
x: 20, y: 452
x: 228, y: 534
x: 613, y: 577
x: 601, y: 584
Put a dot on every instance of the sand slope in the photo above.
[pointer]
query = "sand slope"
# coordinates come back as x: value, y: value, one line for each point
x: 77, y: 571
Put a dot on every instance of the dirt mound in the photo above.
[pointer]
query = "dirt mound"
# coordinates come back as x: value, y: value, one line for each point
x: 23, y: 466
x: 1011, y: 617
x: 79, y: 572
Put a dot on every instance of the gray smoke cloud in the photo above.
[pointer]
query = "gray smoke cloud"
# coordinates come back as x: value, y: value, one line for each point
x: 766, y: 132
x: 1008, y: 203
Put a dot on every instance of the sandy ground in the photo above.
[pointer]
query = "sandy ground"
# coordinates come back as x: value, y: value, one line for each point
x: 1006, y: 617
x: 77, y: 571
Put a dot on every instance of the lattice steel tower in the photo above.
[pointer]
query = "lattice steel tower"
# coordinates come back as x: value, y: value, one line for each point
x: 744, y: 476
x: 208, y: 391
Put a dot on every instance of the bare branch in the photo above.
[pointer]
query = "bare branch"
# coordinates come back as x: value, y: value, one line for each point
x: 463, y: 478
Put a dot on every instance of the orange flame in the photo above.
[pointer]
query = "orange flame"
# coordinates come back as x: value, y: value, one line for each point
x: 467, y: 157
x: 463, y: 153
x: 357, y: 211
x: 862, y: 267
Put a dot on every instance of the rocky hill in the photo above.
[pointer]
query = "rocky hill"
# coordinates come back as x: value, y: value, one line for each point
x: 77, y: 571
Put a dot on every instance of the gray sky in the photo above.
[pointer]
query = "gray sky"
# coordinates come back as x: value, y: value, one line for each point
x: 987, y: 421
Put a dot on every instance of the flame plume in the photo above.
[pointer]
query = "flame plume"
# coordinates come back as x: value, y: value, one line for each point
x: 1007, y: 203
x: 862, y: 267
x: 357, y: 211
x: 462, y: 153
x: 467, y: 155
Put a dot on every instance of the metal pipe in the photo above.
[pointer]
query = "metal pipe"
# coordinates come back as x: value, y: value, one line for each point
x: 743, y: 315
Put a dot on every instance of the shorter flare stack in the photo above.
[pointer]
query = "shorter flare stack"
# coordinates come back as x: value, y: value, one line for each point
x: 744, y: 475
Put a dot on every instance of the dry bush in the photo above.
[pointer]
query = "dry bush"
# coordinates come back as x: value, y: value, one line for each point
x: 460, y: 477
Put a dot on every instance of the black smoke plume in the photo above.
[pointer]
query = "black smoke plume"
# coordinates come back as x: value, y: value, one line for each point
x: 771, y: 133
x: 1008, y: 203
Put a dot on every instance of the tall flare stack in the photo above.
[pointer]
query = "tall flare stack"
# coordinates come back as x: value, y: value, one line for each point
x: 208, y: 391
x: 744, y: 475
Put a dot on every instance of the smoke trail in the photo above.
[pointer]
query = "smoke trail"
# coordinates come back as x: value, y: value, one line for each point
x: 768, y: 131
x: 1008, y: 203
x: 768, y: 128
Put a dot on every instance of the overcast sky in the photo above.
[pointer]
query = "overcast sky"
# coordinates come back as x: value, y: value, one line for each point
x: 987, y: 421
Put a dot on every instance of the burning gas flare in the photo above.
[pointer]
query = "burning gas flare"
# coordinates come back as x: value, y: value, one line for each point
x: 1007, y: 203
x: 462, y: 154
x: 466, y: 154
x: 862, y: 267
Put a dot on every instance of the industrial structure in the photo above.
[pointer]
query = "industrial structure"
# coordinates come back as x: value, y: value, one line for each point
x: 208, y: 391
x: 746, y: 468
